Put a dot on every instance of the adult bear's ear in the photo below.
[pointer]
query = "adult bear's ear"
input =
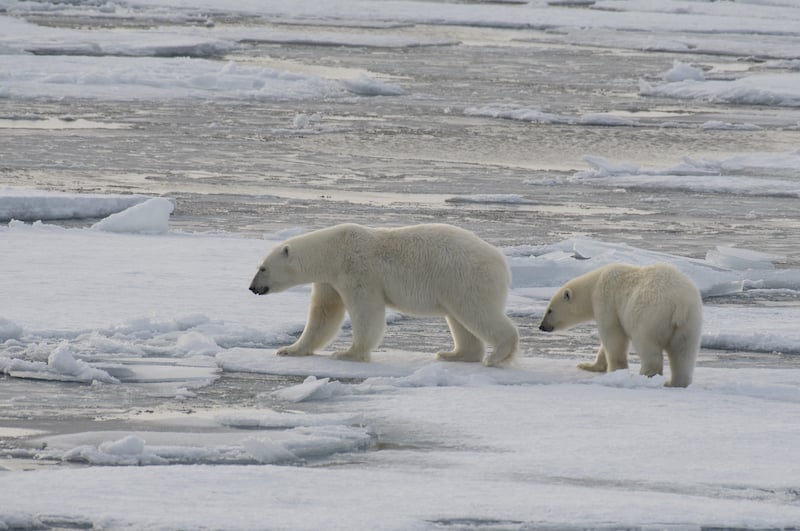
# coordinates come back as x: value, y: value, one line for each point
x: 567, y: 294
x: 285, y: 251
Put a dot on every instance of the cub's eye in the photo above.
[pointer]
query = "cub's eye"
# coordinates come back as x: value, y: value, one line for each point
x: 549, y: 311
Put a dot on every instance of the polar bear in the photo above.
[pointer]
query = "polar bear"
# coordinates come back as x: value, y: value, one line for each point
x: 655, y: 307
x: 429, y: 269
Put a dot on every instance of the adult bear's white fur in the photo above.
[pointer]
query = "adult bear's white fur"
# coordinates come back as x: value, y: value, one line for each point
x: 429, y: 269
x: 656, y: 307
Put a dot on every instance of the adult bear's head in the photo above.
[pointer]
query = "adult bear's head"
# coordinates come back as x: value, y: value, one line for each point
x: 315, y: 256
x: 277, y: 272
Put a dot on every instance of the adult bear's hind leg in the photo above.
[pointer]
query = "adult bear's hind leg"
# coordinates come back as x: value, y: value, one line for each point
x: 502, y: 334
x: 468, y: 347
x: 325, y: 316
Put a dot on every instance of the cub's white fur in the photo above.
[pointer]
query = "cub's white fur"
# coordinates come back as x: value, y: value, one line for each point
x: 656, y: 307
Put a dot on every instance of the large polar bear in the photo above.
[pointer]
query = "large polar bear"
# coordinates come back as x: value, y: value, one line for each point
x: 431, y: 269
x: 655, y: 307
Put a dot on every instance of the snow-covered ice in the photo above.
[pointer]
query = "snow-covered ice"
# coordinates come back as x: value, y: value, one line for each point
x: 404, y: 398
x: 127, y: 321
x: 757, y: 89
x: 149, y: 217
x: 737, y: 175
x: 39, y: 205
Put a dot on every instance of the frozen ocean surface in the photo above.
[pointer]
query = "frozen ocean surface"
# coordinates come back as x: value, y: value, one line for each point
x: 153, y: 151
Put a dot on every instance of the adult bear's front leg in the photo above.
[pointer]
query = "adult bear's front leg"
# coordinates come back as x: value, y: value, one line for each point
x: 368, y: 318
x: 600, y: 363
x: 325, y: 316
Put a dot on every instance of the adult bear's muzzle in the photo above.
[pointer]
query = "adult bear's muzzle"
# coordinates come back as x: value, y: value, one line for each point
x: 259, y: 290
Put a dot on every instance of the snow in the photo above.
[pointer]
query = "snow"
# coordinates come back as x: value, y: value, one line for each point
x: 63, y: 361
x: 682, y: 72
x: 169, y: 62
x: 148, y: 330
x: 34, y: 205
x: 154, y: 319
x: 512, y: 112
x: 403, y: 442
x: 756, y: 89
x: 150, y: 217
x: 541, y: 465
x: 364, y: 85
x: 738, y: 175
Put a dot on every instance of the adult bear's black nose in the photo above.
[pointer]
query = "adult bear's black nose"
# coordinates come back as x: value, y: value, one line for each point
x: 260, y: 290
x: 546, y: 327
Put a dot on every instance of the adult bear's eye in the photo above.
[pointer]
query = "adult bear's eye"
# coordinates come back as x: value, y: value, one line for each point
x: 262, y: 269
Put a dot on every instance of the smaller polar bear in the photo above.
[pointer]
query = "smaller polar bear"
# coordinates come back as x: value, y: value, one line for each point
x: 430, y: 269
x: 656, y: 307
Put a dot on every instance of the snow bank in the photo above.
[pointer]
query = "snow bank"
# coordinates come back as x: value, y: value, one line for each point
x: 771, y: 330
x: 291, y: 446
x: 273, y: 419
x: 750, y: 174
x: 150, y: 217
x: 682, y: 72
x: 136, y: 78
x: 312, y: 389
x: 32, y: 205
x: 513, y: 112
x: 757, y: 89
x: 365, y: 85
x: 61, y: 366
x: 525, y: 114
x: 62, y: 361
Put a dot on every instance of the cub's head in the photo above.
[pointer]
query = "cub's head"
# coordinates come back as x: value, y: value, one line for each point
x: 558, y: 313
x: 566, y: 309
x: 277, y: 272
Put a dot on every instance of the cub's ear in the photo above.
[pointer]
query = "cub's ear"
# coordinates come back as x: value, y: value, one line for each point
x: 285, y: 251
x: 567, y: 294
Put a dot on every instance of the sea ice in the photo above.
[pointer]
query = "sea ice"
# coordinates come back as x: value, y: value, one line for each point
x: 150, y: 217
